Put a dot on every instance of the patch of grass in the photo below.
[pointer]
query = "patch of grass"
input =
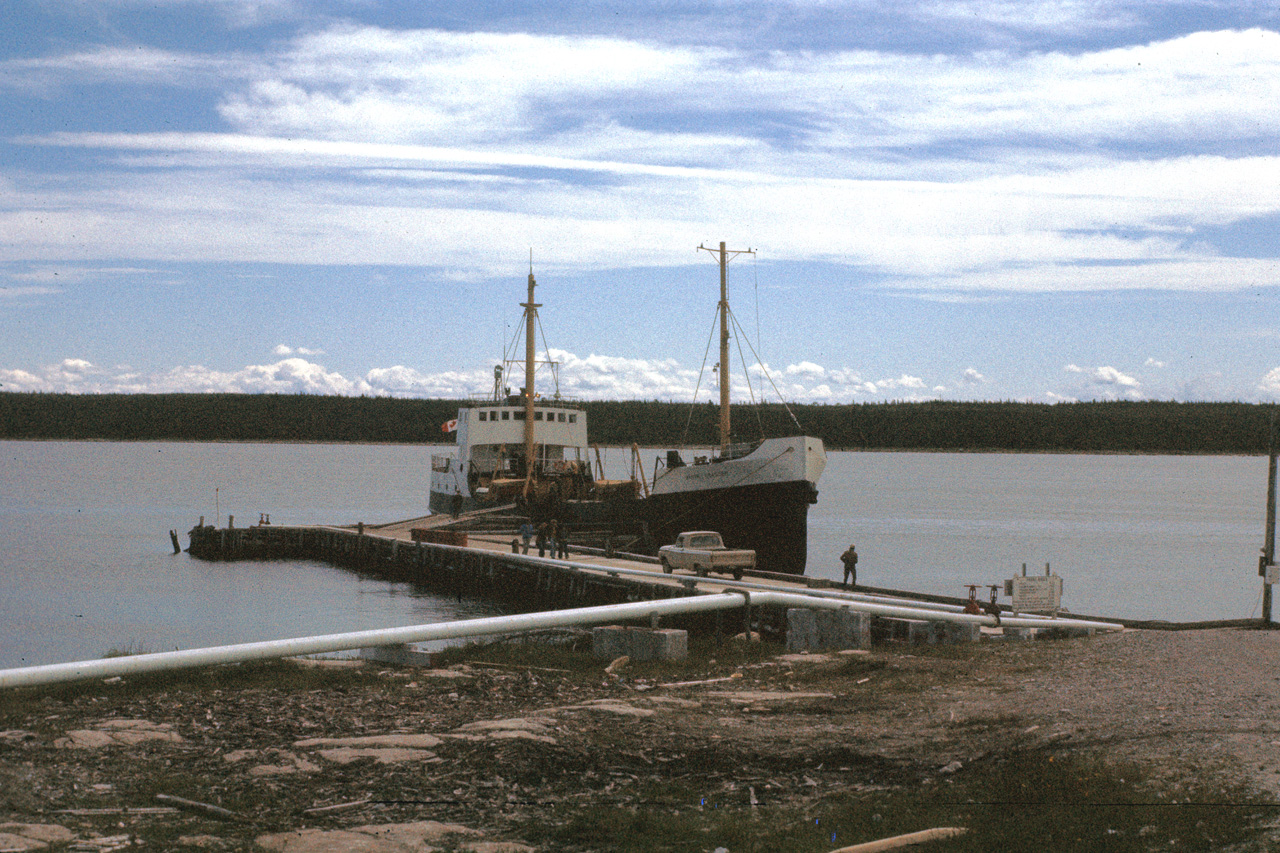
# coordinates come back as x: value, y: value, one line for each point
x: 1023, y: 802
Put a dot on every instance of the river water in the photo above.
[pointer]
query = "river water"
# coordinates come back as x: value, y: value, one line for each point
x: 86, y: 565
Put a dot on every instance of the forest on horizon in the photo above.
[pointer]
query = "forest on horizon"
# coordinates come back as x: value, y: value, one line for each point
x: 1093, y: 427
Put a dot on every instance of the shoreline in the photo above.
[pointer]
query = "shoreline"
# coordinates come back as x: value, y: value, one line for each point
x: 532, y: 747
x: 627, y: 447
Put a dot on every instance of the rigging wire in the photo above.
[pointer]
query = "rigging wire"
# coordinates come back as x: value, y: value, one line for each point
x: 755, y: 271
x: 751, y: 392
x: 771, y: 382
x: 684, y: 437
x: 555, y: 367
x: 742, y: 336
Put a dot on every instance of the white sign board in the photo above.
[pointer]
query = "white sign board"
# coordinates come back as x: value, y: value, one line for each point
x: 1039, y: 594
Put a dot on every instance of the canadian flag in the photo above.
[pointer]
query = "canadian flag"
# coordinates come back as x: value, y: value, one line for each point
x: 449, y: 426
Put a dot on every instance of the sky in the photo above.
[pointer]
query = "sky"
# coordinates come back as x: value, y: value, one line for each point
x: 968, y: 200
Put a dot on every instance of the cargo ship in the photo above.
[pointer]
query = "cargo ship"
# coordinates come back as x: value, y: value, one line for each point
x: 532, y: 451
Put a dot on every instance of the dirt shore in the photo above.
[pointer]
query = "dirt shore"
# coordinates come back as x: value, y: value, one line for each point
x: 1140, y: 740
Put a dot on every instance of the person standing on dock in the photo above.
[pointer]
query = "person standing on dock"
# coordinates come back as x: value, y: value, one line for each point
x: 541, y: 539
x: 553, y: 535
x: 526, y: 534
x: 562, y: 542
x: 850, y: 560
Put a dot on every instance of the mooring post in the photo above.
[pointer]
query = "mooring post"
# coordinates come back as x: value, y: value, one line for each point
x: 1269, y: 548
x: 173, y: 535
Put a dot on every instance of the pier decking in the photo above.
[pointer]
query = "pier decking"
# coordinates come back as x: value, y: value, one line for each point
x: 487, y: 567
x: 474, y: 559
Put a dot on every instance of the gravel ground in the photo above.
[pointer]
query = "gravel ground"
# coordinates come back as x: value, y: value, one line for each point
x: 481, y: 753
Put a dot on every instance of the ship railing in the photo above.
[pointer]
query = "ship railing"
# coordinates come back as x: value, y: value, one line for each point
x: 516, y: 400
x: 736, y: 451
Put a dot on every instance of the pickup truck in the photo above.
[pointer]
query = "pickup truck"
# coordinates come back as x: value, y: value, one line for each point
x: 703, y: 551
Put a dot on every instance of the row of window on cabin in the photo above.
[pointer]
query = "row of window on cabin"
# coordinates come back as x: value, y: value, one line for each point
x: 572, y: 417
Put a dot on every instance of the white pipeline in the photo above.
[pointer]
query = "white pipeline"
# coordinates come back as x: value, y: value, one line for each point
x: 577, y: 617
x: 863, y: 601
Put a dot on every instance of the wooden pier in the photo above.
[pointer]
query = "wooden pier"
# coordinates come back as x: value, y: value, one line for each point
x: 488, y: 567
x: 480, y: 557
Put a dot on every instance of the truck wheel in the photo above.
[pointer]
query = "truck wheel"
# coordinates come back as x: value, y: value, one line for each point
x: 666, y: 567
x: 737, y: 574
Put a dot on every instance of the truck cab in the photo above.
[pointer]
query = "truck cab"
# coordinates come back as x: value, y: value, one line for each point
x: 703, y: 551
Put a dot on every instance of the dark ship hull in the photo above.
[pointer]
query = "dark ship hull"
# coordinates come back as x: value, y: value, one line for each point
x: 771, y: 519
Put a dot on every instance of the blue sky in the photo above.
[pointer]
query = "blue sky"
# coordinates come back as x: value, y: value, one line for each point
x: 974, y: 200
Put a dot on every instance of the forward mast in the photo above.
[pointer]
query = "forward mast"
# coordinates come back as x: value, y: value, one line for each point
x: 724, y: 257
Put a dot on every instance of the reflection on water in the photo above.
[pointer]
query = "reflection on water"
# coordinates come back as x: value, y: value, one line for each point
x: 87, y: 565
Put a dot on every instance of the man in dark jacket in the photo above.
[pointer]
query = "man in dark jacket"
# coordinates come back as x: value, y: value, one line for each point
x: 850, y: 560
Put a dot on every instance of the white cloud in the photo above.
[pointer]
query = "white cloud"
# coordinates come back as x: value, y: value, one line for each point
x: 972, y: 377
x: 444, y: 87
x: 356, y: 142
x: 137, y: 64
x: 1106, y: 382
x: 805, y: 368
x: 1270, y: 383
x: 289, y: 376
x: 1035, y: 233
x: 401, y: 381
x: 1059, y: 16
x: 604, y: 377
x: 903, y: 381
x: 21, y: 380
x: 591, y: 377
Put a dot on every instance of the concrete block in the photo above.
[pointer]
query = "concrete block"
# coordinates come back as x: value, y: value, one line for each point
x: 661, y: 644
x: 827, y: 630
x: 802, y: 630
x: 609, y: 642
x: 1019, y: 633
x: 400, y: 654
x: 915, y: 632
x: 962, y: 632
x: 921, y: 632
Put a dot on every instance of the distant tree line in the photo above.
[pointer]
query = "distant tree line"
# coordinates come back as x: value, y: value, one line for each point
x: 1121, y: 427
x: 223, y: 417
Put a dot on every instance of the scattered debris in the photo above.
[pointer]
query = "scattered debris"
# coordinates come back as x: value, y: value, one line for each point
x: 197, y: 806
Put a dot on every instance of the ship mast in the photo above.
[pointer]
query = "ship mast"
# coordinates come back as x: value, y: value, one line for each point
x: 530, y: 321
x: 724, y: 336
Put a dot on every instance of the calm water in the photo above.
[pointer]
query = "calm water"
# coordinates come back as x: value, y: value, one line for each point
x: 86, y: 564
x: 1142, y: 537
